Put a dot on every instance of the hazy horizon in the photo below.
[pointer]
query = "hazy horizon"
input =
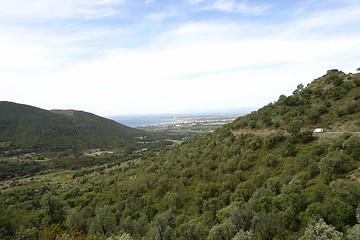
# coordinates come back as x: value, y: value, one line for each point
x: 120, y: 57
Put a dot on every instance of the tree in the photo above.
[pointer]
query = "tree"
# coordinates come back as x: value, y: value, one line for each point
x: 162, y: 226
x: 76, y: 219
x: 358, y: 69
x: 319, y: 230
x: 52, y: 210
x: 351, y: 147
x: 339, y: 213
x: 190, y: 230
x: 7, y: 225
x: 299, y: 88
x: 124, y: 236
x: 104, y: 221
x: 313, y: 211
x: 242, y: 235
x: 225, y: 231
x: 295, y: 126
x: 354, y: 232
x: 335, y: 163
x: 314, y: 115
x: 267, y: 225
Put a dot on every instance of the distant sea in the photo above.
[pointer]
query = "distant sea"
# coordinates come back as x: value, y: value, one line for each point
x: 137, y: 122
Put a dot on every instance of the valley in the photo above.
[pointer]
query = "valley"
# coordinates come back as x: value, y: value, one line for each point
x: 265, y: 175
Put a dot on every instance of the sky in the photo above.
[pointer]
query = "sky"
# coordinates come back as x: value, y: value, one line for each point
x: 116, y: 57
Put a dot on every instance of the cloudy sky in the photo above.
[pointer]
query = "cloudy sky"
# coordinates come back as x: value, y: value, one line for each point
x: 113, y: 57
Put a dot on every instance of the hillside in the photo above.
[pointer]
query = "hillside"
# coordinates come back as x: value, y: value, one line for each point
x: 247, y: 180
x: 330, y: 102
x: 26, y: 128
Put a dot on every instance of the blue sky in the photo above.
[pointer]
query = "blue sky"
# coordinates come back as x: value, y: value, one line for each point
x: 115, y: 57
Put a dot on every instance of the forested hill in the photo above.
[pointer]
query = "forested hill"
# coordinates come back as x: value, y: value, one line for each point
x: 28, y: 128
x: 331, y: 102
x: 247, y: 180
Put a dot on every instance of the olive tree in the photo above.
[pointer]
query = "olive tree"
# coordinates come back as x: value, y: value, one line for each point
x: 319, y: 230
x: 162, y: 226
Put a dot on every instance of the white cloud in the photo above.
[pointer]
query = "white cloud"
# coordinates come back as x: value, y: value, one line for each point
x: 58, y: 8
x: 195, y: 2
x: 204, y: 32
x: 326, y: 20
x: 195, y: 76
x: 189, y: 66
x: 233, y: 6
x: 159, y: 16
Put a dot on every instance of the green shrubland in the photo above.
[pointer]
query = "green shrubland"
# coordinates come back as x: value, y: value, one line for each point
x: 256, y: 178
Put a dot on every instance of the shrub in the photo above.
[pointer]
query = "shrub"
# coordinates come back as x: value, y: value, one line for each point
x: 357, y: 82
x: 354, y: 232
x: 305, y: 137
x: 295, y: 126
x: 7, y: 226
x: 337, y: 93
x: 225, y: 231
x: 314, y: 211
x: 289, y: 150
x: 314, y: 116
x: 336, y: 163
x: 242, y: 235
x: 271, y: 160
x: 347, y: 85
x: 319, y: 230
x: 337, y: 81
x: 323, y: 109
x: 352, y: 147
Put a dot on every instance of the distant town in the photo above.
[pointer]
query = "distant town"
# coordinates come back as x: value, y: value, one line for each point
x: 195, y: 125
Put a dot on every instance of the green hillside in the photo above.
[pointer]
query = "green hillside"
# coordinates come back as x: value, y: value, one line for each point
x: 256, y: 178
x: 26, y: 128
x: 330, y: 102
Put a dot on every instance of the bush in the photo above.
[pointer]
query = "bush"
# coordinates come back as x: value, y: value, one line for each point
x: 353, y: 108
x: 323, y: 109
x: 271, y: 160
x: 242, y: 235
x: 354, y: 232
x: 295, y: 126
x: 337, y: 81
x: 273, y: 138
x: 347, y: 86
x: 319, y: 230
x: 352, y: 147
x: 7, y: 226
x: 334, y: 164
x: 357, y: 82
x: 337, y: 93
x: 314, y: 211
x: 305, y: 137
x: 339, y: 213
x: 341, y: 112
x: 289, y: 151
x: 314, y: 116
x: 225, y: 231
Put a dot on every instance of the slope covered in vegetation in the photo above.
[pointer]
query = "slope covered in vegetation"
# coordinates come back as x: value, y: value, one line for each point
x: 330, y: 102
x: 229, y: 184
x: 25, y: 128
